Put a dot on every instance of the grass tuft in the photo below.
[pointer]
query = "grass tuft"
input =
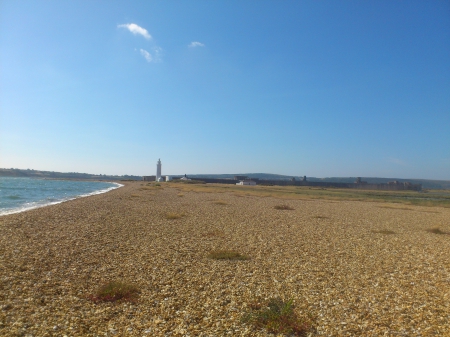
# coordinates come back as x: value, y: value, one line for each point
x: 384, y: 231
x: 435, y: 230
x: 172, y: 216
x: 116, y: 291
x: 278, y: 317
x: 226, y: 255
x: 284, y: 207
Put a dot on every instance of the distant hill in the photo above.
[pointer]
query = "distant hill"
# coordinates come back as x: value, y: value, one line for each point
x: 62, y: 175
x: 429, y: 184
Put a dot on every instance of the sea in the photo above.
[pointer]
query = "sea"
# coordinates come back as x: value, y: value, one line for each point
x: 22, y: 194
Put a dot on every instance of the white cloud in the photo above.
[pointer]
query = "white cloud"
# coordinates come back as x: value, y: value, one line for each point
x: 146, y: 55
x: 154, y: 57
x: 135, y: 29
x: 196, y: 44
x: 157, y: 52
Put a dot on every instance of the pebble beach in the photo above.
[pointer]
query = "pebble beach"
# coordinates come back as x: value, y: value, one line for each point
x: 358, y: 268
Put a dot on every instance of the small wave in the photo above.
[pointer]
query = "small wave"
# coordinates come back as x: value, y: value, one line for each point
x: 33, y: 205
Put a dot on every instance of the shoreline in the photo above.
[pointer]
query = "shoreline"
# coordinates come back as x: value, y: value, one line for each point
x: 25, y: 209
x: 337, y: 260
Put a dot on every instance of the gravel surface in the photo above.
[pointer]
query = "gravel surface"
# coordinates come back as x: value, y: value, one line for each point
x: 325, y: 255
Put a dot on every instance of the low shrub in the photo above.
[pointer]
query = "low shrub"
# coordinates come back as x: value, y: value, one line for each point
x: 284, y: 207
x: 278, y: 317
x: 172, y: 216
x: 226, y: 255
x: 116, y: 291
x: 435, y: 230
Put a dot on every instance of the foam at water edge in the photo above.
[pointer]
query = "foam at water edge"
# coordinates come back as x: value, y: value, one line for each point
x: 33, y: 205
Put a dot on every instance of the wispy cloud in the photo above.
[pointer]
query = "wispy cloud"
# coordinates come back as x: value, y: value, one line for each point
x: 154, y: 56
x: 196, y: 44
x: 136, y: 30
x: 146, y: 55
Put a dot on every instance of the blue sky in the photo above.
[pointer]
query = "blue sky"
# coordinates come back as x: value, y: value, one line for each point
x: 315, y: 88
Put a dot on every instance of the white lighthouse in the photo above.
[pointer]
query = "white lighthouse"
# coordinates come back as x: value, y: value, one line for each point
x: 158, y: 170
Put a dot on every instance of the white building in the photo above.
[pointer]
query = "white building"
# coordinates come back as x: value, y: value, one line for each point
x: 246, y: 182
x: 158, y: 170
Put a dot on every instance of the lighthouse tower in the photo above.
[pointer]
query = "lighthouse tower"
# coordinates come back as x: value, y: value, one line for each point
x: 158, y: 170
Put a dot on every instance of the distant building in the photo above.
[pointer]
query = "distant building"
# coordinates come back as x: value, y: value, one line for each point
x: 149, y: 178
x: 246, y: 182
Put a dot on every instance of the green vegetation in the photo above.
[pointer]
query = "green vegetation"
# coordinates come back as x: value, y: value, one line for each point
x: 188, y: 182
x: 278, y: 317
x: 14, y: 172
x: 116, y: 291
x: 284, y: 207
x: 430, y: 198
x: 220, y: 202
x: 227, y: 255
x: 320, y: 217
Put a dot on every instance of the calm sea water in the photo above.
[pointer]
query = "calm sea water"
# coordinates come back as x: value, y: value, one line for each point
x: 21, y: 194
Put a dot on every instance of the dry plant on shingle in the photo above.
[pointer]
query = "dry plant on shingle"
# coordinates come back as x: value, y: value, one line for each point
x: 227, y: 255
x: 284, y: 207
x: 173, y: 216
x: 279, y: 317
x: 436, y: 230
x: 116, y: 291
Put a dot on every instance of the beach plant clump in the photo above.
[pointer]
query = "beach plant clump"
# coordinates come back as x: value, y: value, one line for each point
x: 226, y: 255
x: 116, y: 291
x: 284, y: 207
x: 435, y: 230
x: 173, y: 216
x: 278, y: 317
